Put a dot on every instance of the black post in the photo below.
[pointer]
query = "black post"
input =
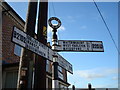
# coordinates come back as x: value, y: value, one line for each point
x: 54, y: 34
x: 73, y: 87
x: 54, y: 48
x: 40, y: 62
x: 89, y: 86
x: 25, y: 72
x: 55, y: 70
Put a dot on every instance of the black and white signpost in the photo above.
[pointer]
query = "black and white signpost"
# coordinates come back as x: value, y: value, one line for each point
x: 70, y: 46
x: 31, y: 44
x: 55, y: 83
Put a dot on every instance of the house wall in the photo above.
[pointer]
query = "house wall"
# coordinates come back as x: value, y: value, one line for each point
x: 8, y: 22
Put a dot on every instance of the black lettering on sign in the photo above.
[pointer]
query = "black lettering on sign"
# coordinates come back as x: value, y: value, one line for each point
x: 101, y: 46
x: 93, y: 46
x: 97, y: 46
x: 26, y: 45
x: 18, y: 36
x: 21, y: 38
x: 24, y: 39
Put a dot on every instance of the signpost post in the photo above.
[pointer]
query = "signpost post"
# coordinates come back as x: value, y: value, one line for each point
x: 54, y: 47
x: 57, y: 59
x: 68, y: 45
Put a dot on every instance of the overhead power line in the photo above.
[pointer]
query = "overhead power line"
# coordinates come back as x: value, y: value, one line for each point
x: 106, y: 26
x: 53, y: 9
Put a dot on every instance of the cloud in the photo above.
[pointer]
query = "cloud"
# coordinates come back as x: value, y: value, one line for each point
x: 97, y: 16
x: 90, y: 74
x: 104, y: 86
x: 49, y: 29
x: 83, y: 27
x: 71, y: 19
x: 62, y: 28
x: 112, y: 71
x: 95, y: 73
x: 110, y: 75
x: 49, y: 38
x: 49, y: 32
x: 114, y: 78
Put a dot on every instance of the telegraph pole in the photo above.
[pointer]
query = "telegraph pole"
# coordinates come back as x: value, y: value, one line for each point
x: 40, y: 62
x: 25, y: 72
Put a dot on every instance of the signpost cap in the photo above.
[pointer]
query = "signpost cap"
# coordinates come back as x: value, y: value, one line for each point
x: 52, y: 25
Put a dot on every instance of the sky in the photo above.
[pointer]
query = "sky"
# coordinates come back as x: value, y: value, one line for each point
x: 81, y: 21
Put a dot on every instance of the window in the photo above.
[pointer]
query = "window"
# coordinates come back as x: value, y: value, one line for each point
x: 10, y: 80
x: 60, y: 73
x: 60, y: 69
x: 17, y: 50
x: 48, y: 66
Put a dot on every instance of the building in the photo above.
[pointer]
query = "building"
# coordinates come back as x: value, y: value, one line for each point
x: 11, y: 52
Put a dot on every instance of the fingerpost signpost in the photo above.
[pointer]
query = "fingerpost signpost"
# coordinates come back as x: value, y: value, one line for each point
x: 42, y: 52
x: 68, y: 46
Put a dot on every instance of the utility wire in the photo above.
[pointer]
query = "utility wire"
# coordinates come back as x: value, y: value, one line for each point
x: 54, y: 13
x: 59, y: 37
x: 49, y: 11
x: 53, y: 6
x: 53, y: 9
x: 106, y: 26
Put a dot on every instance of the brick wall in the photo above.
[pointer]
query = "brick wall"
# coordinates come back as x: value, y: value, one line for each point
x: 8, y: 23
